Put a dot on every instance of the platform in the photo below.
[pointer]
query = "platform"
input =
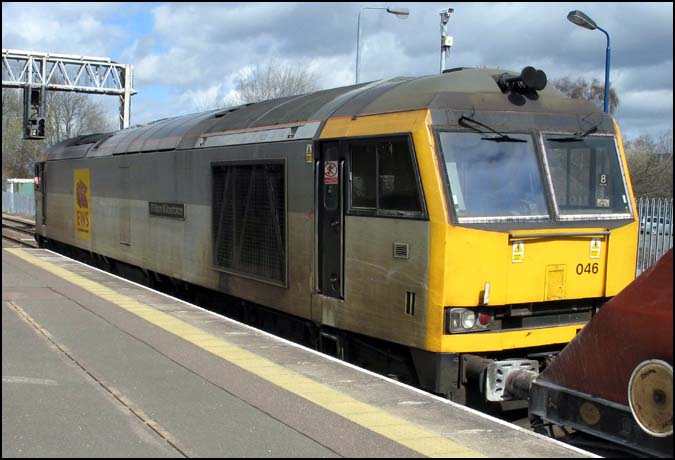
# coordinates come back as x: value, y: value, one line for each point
x: 94, y: 365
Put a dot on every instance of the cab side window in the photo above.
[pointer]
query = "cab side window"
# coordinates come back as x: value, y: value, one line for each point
x: 363, y: 174
x: 384, y: 179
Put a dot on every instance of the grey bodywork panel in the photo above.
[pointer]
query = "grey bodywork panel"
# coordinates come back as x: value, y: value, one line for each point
x: 463, y: 90
x: 184, y: 176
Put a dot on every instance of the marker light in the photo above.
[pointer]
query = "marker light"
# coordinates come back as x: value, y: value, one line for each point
x: 483, y: 319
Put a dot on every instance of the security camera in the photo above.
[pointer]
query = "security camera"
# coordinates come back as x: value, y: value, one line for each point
x: 445, y: 15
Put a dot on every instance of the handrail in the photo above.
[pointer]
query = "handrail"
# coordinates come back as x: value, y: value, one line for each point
x: 526, y: 236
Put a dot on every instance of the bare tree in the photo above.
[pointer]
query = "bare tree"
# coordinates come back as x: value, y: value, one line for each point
x: 17, y: 154
x: 593, y: 91
x: 274, y: 81
x: 73, y: 114
x: 650, y: 162
x: 68, y: 115
x: 271, y: 81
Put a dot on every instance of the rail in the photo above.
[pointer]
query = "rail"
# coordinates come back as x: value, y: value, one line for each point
x: 18, y: 230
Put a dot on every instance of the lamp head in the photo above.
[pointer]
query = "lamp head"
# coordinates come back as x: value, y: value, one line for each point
x: 401, y: 13
x: 582, y: 20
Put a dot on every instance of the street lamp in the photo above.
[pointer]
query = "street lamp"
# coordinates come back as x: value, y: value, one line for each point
x: 582, y: 20
x: 401, y: 13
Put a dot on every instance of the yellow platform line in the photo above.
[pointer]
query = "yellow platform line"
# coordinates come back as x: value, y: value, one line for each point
x: 395, y: 428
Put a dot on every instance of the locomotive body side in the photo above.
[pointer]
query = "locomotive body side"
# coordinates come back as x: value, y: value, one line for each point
x: 396, y: 210
x: 123, y: 227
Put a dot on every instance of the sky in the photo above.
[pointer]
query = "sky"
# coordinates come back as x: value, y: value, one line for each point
x: 186, y: 54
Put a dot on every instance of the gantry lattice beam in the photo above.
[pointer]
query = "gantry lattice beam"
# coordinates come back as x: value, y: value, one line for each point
x: 63, y: 72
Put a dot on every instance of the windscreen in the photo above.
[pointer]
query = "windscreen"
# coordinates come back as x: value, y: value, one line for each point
x: 490, y: 178
x: 586, y: 175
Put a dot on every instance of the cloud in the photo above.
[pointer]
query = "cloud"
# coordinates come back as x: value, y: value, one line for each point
x: 184, y: 51
x: 648, y: 77
x: 60, y: 28
x: 655, y: 107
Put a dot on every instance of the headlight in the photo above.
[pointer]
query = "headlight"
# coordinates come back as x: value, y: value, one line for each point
x: 468, y: 319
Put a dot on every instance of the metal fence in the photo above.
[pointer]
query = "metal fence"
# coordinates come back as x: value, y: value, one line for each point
x: 656, y: 230
x: 19, y: 203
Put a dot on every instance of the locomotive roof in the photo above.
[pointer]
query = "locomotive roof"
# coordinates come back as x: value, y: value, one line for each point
x: 459, y: 89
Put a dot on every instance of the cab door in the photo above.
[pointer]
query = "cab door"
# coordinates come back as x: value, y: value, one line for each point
x: 40, y: 190
x: 331, y: 179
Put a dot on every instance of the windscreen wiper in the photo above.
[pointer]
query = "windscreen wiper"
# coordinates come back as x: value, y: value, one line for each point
x: 501, y: 137
x: 576, y: 137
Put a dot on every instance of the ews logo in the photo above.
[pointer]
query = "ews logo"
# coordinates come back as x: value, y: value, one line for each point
x: 81, y: 195
x: 82, y: 199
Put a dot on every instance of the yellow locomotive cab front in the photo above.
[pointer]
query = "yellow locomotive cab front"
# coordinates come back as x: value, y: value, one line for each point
x: 541, y: 233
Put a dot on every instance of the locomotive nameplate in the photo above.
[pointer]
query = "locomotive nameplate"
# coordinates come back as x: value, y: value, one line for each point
x: 171, y: 210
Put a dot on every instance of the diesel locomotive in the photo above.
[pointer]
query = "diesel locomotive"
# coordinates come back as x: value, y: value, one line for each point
x: 455, y: 224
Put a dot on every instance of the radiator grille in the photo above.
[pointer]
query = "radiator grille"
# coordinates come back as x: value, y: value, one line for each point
x: 401, y: 251
x: 249, y: 219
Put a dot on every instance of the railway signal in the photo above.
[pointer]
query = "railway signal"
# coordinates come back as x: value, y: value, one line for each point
x: 34, y: 113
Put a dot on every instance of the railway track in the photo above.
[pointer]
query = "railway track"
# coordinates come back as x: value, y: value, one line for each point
x: 18, y: 230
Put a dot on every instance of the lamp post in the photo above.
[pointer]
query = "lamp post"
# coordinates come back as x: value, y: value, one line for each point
x: 401, y: 13
x: 582, y: 20
x: 446, y: 40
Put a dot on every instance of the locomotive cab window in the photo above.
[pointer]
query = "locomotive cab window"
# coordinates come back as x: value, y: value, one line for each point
x: 249, y: 220
x: 384, y: 179
x: 493, y: 180
x: 586, y: 174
